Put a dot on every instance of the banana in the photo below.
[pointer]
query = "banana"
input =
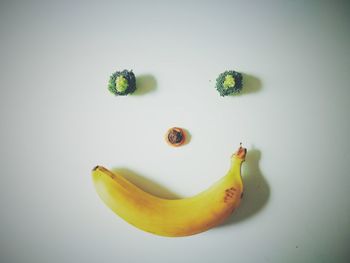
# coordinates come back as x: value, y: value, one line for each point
x: 173, y: 218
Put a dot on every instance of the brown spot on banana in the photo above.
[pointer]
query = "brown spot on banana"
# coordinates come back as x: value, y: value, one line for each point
x: 229, y: 194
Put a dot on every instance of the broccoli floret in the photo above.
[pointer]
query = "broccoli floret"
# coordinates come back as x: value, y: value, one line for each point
x: 229, y: 82
x: 122, y: 83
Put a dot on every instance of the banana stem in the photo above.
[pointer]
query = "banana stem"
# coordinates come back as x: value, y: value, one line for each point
x: 240, y: 153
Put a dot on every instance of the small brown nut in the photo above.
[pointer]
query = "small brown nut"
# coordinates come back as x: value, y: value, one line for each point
x: 175, y: 136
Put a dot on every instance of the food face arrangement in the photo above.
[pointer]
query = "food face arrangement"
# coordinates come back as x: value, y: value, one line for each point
x: 172, y: 217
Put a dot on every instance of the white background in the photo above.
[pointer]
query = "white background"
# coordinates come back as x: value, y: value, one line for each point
x: 58, y: 121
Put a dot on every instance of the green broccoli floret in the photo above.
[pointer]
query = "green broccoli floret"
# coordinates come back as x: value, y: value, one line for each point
x: 122, y: 83
x: 229, y: 82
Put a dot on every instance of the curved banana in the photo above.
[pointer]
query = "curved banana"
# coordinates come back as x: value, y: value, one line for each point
x: 178, y: 217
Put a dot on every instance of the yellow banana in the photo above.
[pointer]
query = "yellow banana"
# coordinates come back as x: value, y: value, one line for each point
x: 178, y: 217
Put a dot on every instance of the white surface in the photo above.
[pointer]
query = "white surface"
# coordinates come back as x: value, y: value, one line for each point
x: 59, y: 121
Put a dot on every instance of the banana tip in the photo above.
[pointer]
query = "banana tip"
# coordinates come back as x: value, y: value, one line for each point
x: 241, y: 152
x: 95, y: 168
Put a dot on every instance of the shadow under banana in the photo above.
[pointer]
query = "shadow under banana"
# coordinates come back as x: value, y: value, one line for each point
x: 146, y: 184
